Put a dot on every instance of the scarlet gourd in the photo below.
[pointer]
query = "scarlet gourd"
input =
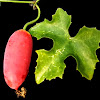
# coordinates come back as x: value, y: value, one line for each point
x: 17, y: 58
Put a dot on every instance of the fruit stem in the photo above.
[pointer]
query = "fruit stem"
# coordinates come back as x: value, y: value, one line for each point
x: 34, y: 3
x: 33, y: 21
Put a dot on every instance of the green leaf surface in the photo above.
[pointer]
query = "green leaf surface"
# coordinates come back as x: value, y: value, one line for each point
x: 50, y: 64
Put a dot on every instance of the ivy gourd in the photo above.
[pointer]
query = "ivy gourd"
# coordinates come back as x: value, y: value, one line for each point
x: 50, y: 64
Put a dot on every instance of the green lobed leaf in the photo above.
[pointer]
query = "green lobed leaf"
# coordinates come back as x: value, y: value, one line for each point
x: 50, y: 64
x: 86, y: 42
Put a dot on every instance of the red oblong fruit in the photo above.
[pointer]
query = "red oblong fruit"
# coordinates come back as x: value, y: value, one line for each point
x: 17, y: 58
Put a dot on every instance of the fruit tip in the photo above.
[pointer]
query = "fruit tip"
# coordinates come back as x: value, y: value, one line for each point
x: 21, y: 93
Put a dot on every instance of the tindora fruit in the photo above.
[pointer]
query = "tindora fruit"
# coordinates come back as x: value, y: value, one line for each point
x: 17, y: 58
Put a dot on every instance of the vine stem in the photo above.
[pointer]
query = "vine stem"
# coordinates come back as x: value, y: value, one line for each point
x: 18, y: 1
x: 33, y: 21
